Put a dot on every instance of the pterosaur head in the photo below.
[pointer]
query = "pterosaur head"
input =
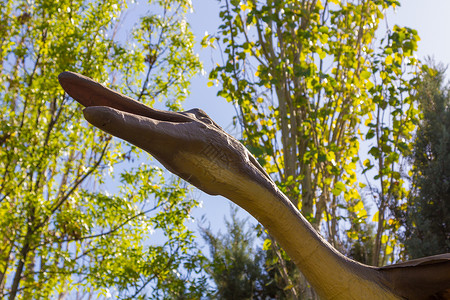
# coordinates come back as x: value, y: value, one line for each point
x: 189, y: 144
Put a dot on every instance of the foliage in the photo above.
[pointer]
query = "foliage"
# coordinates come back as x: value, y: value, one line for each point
x: 236, y: 267
x: 61, y: 233
x: 361, y: 245
x: 427, y: 217
x: 311, y: 84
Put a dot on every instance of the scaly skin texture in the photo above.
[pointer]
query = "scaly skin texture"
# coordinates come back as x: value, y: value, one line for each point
x: 194, y: 147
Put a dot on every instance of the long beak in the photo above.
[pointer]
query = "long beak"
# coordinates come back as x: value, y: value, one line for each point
x: 91, y: 93
x: 150, y: 129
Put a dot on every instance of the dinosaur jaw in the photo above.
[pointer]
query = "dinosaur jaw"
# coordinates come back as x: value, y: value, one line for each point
x: 166, y: 135
x: 91, y: 93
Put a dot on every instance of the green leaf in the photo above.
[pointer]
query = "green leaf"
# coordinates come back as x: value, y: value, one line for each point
x: 365, y: 74
x: 338, y: 188
x: 267, y: 244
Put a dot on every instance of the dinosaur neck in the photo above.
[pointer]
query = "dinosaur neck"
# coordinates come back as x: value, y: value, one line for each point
x: 332, y: 275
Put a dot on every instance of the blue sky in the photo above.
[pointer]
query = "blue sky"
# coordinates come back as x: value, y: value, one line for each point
x: 430, y: 18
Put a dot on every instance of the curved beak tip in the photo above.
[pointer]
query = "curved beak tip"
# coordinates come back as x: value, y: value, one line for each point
x: 97, y: 115
x: 89, y: 113
x: 65, y: 76
x: 68, y: 81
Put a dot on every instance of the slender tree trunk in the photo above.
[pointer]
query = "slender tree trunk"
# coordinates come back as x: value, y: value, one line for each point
x: 292, y: 290
x: 22, y: 258
x: 377, y: 246
x: 381, y: 195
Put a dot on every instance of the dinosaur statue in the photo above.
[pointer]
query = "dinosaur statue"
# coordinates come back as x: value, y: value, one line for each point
x: 194, y: 147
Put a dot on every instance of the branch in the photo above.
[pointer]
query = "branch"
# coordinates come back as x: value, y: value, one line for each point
x: 74, y: 187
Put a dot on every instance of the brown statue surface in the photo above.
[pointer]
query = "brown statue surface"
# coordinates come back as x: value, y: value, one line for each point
x: 194, y: 147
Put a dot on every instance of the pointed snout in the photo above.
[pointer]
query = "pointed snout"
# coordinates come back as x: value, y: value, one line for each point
x: 153, y: 136
x: 91, y: 93
x: 105, y: 118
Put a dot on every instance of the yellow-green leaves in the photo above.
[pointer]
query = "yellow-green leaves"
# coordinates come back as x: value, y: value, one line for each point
x: 62, y: 213
x: 327, y: 87
x: 365, y: 74
x: 338, y: 188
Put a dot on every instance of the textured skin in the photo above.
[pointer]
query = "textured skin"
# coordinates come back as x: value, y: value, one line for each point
x: 194, y: 147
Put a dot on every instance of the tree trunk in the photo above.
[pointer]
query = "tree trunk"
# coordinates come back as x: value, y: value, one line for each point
x: 20, y: 266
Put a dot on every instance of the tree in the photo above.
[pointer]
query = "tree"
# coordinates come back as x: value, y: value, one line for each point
x: 427, y: 217
x: 61, y: 232
x: 236, y: 267
x: 360, y: 246
x: 192, y: 146
x: 304, y: 77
